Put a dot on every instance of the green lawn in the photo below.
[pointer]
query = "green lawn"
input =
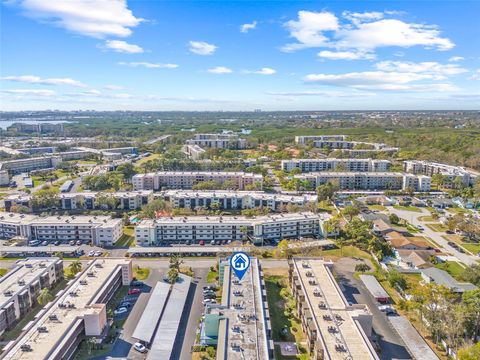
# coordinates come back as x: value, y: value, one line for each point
x: 457, y: 210
x: 145, y: 159
x: 437, y: 227
x: 377, y: 207
x: 3, y: 271
x: 279, y: 317
x: 212, y: 277
x: 407, y: 208
x: 141, y: 273
x: 452, y: 267
x: 346, y: 251
x: 128, y: 237
x: 472, y: 247
x: 426, y: 218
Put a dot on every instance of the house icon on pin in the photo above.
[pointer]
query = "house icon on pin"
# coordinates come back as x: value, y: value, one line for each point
x: 239, y: 262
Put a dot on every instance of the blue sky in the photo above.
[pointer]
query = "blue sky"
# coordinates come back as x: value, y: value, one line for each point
x: 239, y: 55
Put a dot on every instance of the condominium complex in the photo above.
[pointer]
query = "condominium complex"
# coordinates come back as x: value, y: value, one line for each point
x: 430, y: 168
x: 220, y: 141
x: 243, y: 314
x: 79, y: 312
x: 120, y: 200
x: 195, y: 229
x: 335, y: 329
x: 40, y: 128
x: 234, y: 200
x: 26, y: 165
x: 4, y: 178
x: 20, y: 287
x: 187, y: 179
x: 302, y: 140
x: 100, y: 230
x: 368, y: 180
x: 354, y: 165
x: 195, y: 152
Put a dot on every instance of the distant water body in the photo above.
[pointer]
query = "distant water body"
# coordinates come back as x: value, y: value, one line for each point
x: 5, y: 124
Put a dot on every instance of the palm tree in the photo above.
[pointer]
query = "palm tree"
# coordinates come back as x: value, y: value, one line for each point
x: 175, y: 262
x: 243, y: 231
x: 75, y: 267
x: 172, y: 275
x: 44, y: 297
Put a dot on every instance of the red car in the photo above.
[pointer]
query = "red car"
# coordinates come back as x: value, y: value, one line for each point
x: 134, y: 291
x: 202, y: 242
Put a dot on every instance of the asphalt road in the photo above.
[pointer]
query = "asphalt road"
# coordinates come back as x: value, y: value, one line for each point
x: 392, y: 347
x: 412, y: 217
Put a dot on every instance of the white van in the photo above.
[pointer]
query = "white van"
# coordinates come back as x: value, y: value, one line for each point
x: 34, y: 243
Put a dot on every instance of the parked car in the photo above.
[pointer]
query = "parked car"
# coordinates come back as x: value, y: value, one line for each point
x: 97, y: 253
x: 140, y: 347
x: 44, y: 243
x: 126, y: 304
x: 209, y: 288
x: 136, y: 283
x: 79, y: 242
x: 208, y: 301
x: 134, y: 291
x: 91, y: 253
x: 57, y: 243
x: 201, y: 242
x: 210, y: 296
x: 120, y: 311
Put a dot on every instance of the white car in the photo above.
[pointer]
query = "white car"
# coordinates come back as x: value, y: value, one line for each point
x: 97, y: 253
x: 209, y: 301
x: 91, y: 253
x: 140, y: 347
x: 120, y: 311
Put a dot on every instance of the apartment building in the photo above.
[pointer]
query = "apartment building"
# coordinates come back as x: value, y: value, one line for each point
x: 194, y: 152
x: 366, y: 181
x: 220, y: 141
x: 37, y: 150
x: 235, y: 200
x: 20, y: 287
x: 302, y: 140
x: 4, y: 178
x: 100, y: 230
x: 335, y: 329
x: 40, y: 128
x: 240, y: 326
x: 26, y: 165
x: 78, y: 313
x: 417, y: 182
x: 195, y: 229
x: 187, y: 179
x: 430, y: 168
x: 368, y: 152
x: 354, y: 165
x: 122, y: 200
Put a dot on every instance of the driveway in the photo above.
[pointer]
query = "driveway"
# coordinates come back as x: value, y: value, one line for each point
x: 413, y: 218
x: 392, y: 347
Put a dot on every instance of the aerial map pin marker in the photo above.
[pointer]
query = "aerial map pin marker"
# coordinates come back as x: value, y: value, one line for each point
x: 240, y: 262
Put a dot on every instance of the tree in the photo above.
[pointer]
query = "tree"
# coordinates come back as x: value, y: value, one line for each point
x: 362, y: 267
x: 149, y: 210
x: 172, y: 275
x: 284, y: 248
x: 331, y: 227
x: 470, y: 353
x: 75, y: 267
x: 175, y: 262
x: 471, y: 274
x: 394, y: 219
x: 395, y: 279
x: 350, y: 211
x: 44, y: 297
x: 471, y: 300
x: 244, y: 232
x: 326, y: 191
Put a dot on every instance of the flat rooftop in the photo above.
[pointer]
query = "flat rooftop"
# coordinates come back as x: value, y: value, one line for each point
x: 246, y: 334
x: 26, y: 271
x: 205, y: 220
x: 321, y: 289
x: 44, y: 345
x: 195, y: 173
x: 238, y: 194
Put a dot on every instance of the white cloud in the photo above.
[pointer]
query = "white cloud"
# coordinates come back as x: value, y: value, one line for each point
x: 357, y: 18
x: 475, y: 76
x: 94, y: 18
x: 309, y: 28
x: 322, y: 93
x: 262, y: 71
x: 456, y: 58
x: 437, y: 70
x: 31, y: 92
x: 392, y: 32
x: 32, y: 79
x: 247, y: 27
x: 345, y: 55
x: 363, y: 32
x: 122, y: 47
x: 113, y: 87
x: 220, y: 70
x: 149, y: 65
x: 381, y: 80
x: 201, y: 48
